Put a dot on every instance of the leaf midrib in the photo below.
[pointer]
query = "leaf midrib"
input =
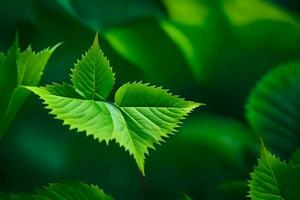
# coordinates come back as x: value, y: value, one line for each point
x: 273, y: 174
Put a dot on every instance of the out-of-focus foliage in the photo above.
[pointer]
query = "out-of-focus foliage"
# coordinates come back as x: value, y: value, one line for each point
x: 273, y: 108
x: 18, y: 69
x: 274, y: 179
x: 140, y: 42
x: 207, y: 51
x: 226, y: 43
x: 100, y: 14
x: 64, y: 191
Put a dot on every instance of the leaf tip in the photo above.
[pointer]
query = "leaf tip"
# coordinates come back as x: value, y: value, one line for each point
x: 55, y: 47
x: 96, y: 40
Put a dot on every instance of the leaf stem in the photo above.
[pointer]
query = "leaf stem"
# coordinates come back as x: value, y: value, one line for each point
x: 143, y: 187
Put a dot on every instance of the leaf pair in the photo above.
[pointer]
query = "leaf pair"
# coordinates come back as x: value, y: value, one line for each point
x: 140, y: 117
x: 16, y: 69
x: 62, y: 191
x: 274, y: 179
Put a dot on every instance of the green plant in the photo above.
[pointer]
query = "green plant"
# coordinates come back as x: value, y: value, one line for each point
x: 208, y: 51
x: 140, y: 117
x: 19, y: 69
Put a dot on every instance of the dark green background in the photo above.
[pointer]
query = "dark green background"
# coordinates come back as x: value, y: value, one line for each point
x: 207, y: 51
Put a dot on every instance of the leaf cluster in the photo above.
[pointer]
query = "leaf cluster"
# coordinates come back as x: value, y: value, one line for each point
x: 141, y: 115
x: 19, y: 69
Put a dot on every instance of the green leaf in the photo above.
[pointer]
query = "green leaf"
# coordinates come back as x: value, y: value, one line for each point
x: 150, y: 113
x: 63, y: 191
x: 17, y: 69
x: 143, y: 95
x: 140, y: 117
x: 31, y: 65
x: 97, y: 118
x: 274, y: 179
x: 272, y: 108
x: 92, y: 76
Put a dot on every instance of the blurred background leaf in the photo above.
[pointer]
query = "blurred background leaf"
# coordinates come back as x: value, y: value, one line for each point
x: 273, y: 108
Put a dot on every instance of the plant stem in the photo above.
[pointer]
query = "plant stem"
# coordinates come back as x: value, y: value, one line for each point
x: 143, y: 186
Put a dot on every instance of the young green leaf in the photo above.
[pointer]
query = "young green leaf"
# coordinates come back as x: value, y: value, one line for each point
x: 31, y: 65
x: 92, y: 76
x: 63, y: 191
x: 274, y: 179
x: 150, y: 114
x: 273, y: 108
x: 140, y: 117
x: 17, y: 69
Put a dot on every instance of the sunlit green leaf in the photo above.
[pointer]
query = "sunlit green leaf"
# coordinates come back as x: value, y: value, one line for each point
x: 92, y: 76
